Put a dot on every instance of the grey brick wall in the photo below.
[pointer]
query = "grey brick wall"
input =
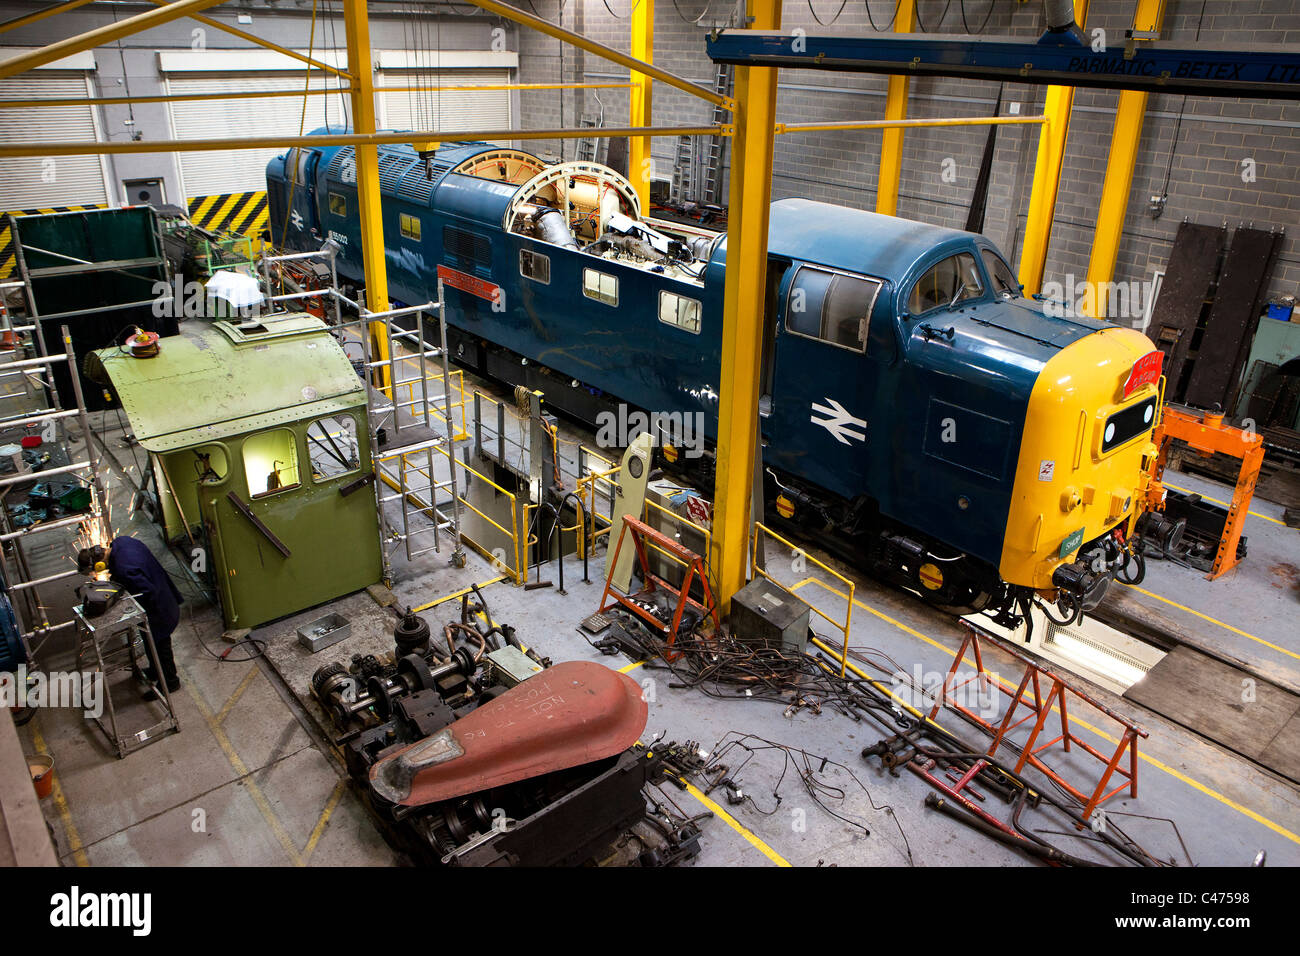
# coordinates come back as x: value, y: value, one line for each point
x: 1203, y: 169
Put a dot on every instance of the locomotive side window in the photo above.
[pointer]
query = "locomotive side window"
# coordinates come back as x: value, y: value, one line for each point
x: 600, y: 286
x: 409, y: 226
x: 1004, y: 280
x: 338, y: 204
x: 680, y: 311
x: 832, y: 307
x: 535, y: 266
x: 948, y: 282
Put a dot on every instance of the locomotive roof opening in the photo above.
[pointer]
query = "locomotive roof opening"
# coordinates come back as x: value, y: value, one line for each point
x: 582, y: 206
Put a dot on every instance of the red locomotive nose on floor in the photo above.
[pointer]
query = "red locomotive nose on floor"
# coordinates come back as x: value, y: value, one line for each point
x: 568, y: 715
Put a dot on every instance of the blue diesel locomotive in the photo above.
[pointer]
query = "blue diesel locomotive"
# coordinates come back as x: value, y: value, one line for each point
x: 914, y: 401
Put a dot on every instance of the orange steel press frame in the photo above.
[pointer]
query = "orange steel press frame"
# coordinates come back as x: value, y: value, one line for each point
x: 1206, y: 434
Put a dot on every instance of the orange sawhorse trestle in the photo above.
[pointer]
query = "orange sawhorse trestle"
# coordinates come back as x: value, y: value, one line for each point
x: 694, y: 564
x: 1040, y: 709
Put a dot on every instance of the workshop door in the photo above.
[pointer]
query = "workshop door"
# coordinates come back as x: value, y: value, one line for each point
x: 313, y: 538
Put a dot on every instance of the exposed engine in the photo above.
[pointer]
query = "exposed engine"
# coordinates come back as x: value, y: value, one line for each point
x: 480, y: 753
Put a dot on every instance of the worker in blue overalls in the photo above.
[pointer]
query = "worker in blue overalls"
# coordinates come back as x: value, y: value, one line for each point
x: 132, y: 565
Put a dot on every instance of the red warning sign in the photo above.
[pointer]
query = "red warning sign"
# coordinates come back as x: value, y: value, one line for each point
x: 475, y: 286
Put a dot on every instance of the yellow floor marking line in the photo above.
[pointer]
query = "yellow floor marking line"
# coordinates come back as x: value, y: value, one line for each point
x: 1254, y: 514
x: 254, y: 790
x: 461, y: 593
x: 736, y: 825
x: 630, y: 667
x: 75, y: 846
x: 1206, y: 617
x: 1194, y: 784
x: 239, y: 692
x: 331, y: 805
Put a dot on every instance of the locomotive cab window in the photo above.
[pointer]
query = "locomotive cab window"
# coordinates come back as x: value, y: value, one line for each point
x: 333, y: 445
x: 338, y: 204
x: 409, y: 226
x: 1004, y: 280
x: 832, y: 307
x: 600, y: 286
x: 535, y: 266
x: 679, y: 310
x: 948, y: 282
x: 270, y: 462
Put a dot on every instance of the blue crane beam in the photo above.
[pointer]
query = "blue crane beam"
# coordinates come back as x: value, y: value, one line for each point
x: 1156, y: 67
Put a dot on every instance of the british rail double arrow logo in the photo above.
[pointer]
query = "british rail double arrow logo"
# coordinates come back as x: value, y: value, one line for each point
x: 839, y: 422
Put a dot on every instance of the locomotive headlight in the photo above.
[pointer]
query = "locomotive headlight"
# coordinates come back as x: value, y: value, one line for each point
x: 1127, y: 424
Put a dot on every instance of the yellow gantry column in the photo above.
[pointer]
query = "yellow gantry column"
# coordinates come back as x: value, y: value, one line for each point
x: 643, y: 41
x: 742, y: 322
x: 1047, y: 176
x: 1124, y: 140
x: 360, y: 65
x: 891, y: 141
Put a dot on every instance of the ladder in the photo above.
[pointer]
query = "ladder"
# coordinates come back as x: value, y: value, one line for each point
x: 683, y: 189
x: 697, y: 172
x: 404, y: 410
x: 591, y: 149
x: 711, y: 187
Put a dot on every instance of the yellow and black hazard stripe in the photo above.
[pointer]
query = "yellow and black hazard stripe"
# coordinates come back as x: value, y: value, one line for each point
x: 8, y: 257
x: 240, y: 214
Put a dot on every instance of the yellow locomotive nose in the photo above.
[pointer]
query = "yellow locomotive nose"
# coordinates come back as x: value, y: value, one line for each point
x: 1082, y: 455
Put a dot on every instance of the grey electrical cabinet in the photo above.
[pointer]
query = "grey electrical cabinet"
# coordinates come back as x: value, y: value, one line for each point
x: 763, y: 615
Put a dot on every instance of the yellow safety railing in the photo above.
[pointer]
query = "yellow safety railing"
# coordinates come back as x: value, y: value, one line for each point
x: 588, y: 486
x: 436, y: 403
x: 681, y: 523
x: 754, y: 570
x: 518, y: 572
x: 587, y: 490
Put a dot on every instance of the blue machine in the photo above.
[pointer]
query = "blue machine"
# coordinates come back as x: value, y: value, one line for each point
x: 969, y: 445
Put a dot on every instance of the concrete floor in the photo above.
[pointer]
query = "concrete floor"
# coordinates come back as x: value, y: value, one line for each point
x: 250, y: 780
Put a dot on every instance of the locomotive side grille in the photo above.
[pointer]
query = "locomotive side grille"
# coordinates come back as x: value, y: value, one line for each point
x: 468, y: 249
x: 416, y: 185
x: 344, y: 157
x: 392, y: 167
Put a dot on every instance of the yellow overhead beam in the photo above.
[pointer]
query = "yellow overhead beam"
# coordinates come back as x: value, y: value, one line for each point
x: 101, y: 36
x: 782, y: 128
x: 1047, y: 177
x: 341, y: 139
x: 169, y: 98
x: 891, y: 141
x: 357, y: 25
x: 639, y: 161
x: 604, y: 52
x: 1125, y: 136
x: 39, y: 15
x: 744, y: 298
x: 261, y: 94
x: 259, y: 41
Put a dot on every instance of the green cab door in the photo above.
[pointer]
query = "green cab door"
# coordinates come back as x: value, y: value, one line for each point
x: 294, y: 523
